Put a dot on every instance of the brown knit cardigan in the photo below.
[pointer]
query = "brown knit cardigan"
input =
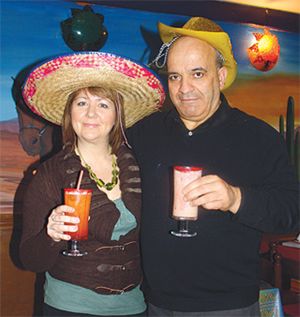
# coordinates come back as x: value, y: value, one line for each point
x: 110, y: 267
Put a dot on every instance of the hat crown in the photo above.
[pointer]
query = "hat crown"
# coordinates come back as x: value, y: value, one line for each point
x: 202, y: 24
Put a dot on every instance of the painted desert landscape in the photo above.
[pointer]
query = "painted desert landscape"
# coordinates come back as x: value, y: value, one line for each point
x: 15, y: 167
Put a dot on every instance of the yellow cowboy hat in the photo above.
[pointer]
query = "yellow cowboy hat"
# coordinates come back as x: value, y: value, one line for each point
x: 209, y: 32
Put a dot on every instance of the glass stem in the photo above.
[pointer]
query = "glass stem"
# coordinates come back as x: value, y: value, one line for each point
x: 183, y: 226
x: 74, y: 245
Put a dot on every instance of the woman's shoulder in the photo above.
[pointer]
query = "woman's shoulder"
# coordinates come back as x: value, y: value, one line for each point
x: 125, y: 157
x: 56, y: 162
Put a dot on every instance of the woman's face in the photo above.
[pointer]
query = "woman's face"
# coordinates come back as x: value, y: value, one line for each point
x: 92, y: 117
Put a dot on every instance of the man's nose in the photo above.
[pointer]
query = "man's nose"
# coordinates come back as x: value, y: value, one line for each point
x: 185, y: 86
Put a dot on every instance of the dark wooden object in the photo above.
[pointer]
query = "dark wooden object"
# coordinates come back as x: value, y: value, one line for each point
x: 276, y: 258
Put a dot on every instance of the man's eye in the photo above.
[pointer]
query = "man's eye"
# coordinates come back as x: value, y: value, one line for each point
x: 173, y: 77
x: 198, y: 75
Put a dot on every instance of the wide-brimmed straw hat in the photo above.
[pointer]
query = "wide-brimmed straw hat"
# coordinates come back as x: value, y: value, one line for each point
x: 49, y: 84
x: 209, y: 32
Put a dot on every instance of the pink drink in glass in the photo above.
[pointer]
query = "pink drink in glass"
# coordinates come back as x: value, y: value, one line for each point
x: 183, y: 175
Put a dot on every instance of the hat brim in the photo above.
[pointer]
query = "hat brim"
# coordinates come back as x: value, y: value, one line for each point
x: 218, y: 40
x: 50, y: 83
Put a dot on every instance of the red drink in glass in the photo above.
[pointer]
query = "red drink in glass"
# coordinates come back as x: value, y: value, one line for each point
x: 80, y: 199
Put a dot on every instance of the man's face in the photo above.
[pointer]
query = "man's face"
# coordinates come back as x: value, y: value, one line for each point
x: 194, y: 80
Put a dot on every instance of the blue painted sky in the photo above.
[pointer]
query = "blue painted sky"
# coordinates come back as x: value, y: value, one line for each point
x: 30, y: 32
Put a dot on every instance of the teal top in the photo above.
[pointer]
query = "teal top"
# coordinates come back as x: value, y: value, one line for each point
x: 73, y: 298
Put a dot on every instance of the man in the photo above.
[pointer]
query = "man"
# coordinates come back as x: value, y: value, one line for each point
x: 248, y: 185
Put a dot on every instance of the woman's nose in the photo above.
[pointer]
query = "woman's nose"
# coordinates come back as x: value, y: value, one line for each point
x: 91, y: 111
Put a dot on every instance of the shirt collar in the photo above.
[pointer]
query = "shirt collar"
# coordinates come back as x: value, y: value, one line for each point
x: 219, y: 116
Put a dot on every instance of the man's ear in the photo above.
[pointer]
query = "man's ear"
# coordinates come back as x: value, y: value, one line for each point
x: 222, y: 76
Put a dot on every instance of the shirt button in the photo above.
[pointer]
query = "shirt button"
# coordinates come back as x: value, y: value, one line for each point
x: 190, y: 133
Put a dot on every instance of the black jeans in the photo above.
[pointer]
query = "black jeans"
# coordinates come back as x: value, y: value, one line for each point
x: 51, y: 311
x: 252, y: 311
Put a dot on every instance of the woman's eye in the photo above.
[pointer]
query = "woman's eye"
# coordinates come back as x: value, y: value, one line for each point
x: 103, y: 105
x: 81, y: 103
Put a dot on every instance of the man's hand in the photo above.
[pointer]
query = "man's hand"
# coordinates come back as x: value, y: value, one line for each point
x: 211, y: 192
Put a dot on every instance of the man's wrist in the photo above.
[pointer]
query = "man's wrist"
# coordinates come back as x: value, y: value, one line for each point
x: 237, y: 200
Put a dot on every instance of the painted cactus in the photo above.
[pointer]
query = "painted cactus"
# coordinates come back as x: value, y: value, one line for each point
x: 292, y: 139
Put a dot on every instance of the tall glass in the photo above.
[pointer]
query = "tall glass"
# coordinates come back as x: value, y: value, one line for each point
x: 183, y: 211
x: 80, y: 199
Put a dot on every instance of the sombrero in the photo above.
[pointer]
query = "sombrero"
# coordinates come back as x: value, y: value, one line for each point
x: 209, y: 32
x: 48, y: 85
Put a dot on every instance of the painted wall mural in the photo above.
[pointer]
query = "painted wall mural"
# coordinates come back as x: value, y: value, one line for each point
x: 31, y: 31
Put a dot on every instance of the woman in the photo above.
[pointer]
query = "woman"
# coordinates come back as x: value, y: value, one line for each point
x: 90, y: 95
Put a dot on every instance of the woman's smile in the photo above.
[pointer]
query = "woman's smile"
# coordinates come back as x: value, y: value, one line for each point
x: 91, y: 125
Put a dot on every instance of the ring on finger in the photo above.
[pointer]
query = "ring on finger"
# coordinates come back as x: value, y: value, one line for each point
x: 51, y: 227
x: 53, y: 217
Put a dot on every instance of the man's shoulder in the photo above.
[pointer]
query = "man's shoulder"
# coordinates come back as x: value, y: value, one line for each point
x: 155, y: 116
x: 255, y: 128
x: 152, y: 121
x: 147, y: 128
x: 245, y: 118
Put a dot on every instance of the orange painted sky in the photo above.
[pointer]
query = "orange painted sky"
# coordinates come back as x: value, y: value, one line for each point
x: 265, y: 97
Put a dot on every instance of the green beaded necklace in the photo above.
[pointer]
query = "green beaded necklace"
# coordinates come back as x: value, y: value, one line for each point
x: 100, y: 183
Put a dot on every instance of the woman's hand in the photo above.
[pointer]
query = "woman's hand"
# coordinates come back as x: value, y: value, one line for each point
x: 56, y: 223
